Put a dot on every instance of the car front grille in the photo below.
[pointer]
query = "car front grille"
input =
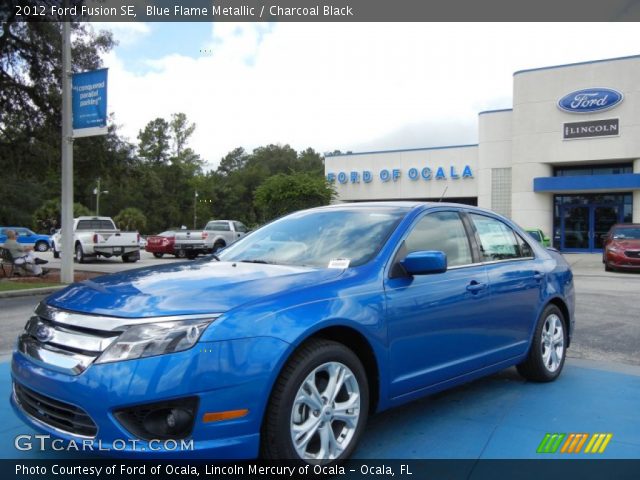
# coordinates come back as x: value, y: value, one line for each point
x: 632, y: 253
x: 54, y: 413
x: 64, y: 347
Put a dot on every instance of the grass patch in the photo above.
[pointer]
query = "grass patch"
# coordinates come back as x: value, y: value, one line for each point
x: 10, y: 286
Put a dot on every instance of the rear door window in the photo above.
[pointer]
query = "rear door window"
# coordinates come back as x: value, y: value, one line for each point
x: 497, y: 241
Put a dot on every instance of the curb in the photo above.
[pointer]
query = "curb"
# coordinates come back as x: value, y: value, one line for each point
x: 31, y: 291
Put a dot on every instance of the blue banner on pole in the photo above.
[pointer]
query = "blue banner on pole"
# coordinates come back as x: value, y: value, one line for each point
x: 89, y: 99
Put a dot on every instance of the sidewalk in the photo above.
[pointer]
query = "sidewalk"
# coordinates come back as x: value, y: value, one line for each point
x: 499, y: 417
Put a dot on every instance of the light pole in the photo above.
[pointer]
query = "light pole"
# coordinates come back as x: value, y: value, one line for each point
x: 195, y: 204
x: 97, y: 192
x: 66, y: 220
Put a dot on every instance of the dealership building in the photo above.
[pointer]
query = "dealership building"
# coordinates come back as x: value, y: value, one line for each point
x: 565, y: 158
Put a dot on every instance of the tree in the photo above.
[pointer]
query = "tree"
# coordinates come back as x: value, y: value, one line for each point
x: 47, y: 216
x: 30, y: 100
x: 154, y: 142
x: 282, y: 194
x: 181, y: 131
x: 131, y: 219
x: 233, y: 161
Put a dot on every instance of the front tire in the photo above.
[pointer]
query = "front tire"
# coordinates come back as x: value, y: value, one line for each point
x: 548, y: 350
x: 319, y: 405
x: 158, y: 255
x: 56, y: 254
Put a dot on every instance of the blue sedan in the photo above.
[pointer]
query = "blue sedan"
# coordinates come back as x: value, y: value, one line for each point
x: 283, y: 345
x: 24, y: 236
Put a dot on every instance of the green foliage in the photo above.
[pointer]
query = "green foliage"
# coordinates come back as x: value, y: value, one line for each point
x: 131, y: 219
x: 158, y: 175
x: 47, y: 216
x: 282, y: 194
x: 30, y: 77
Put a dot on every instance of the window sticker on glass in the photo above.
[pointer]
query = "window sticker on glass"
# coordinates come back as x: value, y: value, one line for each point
x: 339, y: 263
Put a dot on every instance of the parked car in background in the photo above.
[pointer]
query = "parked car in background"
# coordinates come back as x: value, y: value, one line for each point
x: 287, y: 341
x: 142, y: 242
x: 98, y: 236
x: 40, y: 243
x: 162, y: 244
x: 217, y: 234
x: 539, y: 236
x: 621, y: 247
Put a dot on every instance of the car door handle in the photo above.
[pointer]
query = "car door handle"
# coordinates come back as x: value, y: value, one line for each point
x: 475, y: 287
x: 538, y: 276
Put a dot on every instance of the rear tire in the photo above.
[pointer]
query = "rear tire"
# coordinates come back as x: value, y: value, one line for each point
x: 56, y: 254
x: 181, y: 254
x: 41, y: 246
x: 79, y: 256
x: 192, y: 255
x: 218, y: 246
x: 548, y: 349
x: 131, y: 257
x: 158, y: 255
x: 310, y: 419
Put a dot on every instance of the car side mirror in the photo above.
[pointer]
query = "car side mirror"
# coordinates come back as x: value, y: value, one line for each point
x: 425, y: 262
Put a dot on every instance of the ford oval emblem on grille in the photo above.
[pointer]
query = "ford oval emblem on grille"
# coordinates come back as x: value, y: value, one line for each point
x: 590, y: 100
x: 44, y: 333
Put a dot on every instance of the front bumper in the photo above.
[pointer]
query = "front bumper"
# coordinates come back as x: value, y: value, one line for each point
x: 229, y: 375
x: 622, y: 261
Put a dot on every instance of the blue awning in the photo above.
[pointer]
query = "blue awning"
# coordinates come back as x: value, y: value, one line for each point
x: 585, y: 183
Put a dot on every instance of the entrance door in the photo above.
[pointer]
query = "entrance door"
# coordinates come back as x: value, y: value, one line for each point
x: 584, y: 225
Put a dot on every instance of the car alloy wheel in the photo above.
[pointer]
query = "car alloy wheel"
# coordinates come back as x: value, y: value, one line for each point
x: 552, y: 343
x: 42, y: 247
x: 547, y: 352
x: 325, y: 412
x: 318, y: 407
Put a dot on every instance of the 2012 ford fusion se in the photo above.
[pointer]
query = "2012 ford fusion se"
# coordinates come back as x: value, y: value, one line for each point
x: 283, y: 345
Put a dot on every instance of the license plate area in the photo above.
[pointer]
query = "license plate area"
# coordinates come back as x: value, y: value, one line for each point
x: 117, y: 249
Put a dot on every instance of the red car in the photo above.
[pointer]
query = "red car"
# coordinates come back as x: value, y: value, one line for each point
x: 621, y: 247
x: 161, y: 244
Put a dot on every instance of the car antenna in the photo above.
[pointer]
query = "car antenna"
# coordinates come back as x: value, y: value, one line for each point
x: 445, y: 191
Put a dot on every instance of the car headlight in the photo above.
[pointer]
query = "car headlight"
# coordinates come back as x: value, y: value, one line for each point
x: 612, y: 248
x: 150, y: 339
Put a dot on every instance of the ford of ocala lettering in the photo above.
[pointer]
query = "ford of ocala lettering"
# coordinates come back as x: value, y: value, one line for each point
x: 283, y: 345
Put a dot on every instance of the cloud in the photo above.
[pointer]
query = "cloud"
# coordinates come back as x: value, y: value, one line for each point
x: 347, y: 86
x: 126, y: 33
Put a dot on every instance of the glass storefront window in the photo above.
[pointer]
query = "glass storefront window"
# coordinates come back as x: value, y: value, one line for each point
x: 616, y: 169
x: 579, y: 221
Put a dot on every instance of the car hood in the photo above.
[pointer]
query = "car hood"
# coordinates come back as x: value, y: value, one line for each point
x: 185, y: 288
x: 627, y: 244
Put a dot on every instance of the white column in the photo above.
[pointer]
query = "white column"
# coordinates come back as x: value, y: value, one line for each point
x: 636, y: 194
x: 528, y: 208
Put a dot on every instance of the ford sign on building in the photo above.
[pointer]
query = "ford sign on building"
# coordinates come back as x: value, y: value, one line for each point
x: 590, y: 100
x: 565, y: 158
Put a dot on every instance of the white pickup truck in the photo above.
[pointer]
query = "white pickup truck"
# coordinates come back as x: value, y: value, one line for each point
x: 217, y: 234
x: 98, y: 236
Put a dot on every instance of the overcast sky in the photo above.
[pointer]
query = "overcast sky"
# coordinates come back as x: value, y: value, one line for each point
x: 358, y: 86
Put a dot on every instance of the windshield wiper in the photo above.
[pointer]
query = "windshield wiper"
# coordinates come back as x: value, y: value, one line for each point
x: 257, y: 260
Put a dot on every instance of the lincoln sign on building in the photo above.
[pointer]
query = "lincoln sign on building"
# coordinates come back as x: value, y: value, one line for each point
x: 565, y: 158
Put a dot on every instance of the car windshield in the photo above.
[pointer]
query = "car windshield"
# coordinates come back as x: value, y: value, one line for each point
x: 535, y: 234
x: 332, y: 237
x: 627, y: 234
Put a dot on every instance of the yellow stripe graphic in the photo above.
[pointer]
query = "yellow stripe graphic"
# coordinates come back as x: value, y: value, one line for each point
x: 606, y: 442
x: 591, y: 442
x: 598, y: 442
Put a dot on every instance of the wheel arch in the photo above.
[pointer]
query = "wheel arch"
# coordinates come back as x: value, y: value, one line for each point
x: 357, y: 343
x: 558, y: 302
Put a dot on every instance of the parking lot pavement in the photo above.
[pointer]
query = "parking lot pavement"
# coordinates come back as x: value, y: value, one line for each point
x: 499, y: 417
x: 111, y: 265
